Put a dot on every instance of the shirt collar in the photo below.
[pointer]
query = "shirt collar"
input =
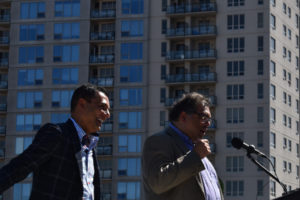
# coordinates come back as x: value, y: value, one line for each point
x: 80, y: 131
x: 183, y: 137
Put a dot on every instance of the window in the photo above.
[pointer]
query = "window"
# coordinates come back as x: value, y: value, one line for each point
x: 272, y: 188
x: 284, y: 166
x: 164, y: 5
x: 273, y: 115
x: 260, y: 2
x: 163, y: 72
x: 273, y: 2
x: 29, y: 55
x: 234, y: 188
x: 297, y: 20
x: 131, y: 74
x: 68, y: 8
x: 130, y: 120
x: 273, y: 162
x: 273, y: 140
x: 260, y: 90
x: 284, y: 143
x: 273, y: 91
x: 235, y: 22
x: 22, y: 191
x: 231, y: 135
x: 106, y: 173
x: 260, y: 43
x: 289, y: 34
x: 284, y: 95
x: 273, y: 68
x: 297, y: 105
x: 284, y: 52
x: 235, y: 115
x: 129, y: 166
x: 64, y: 76
x: 32, y: 32
x: 28, y: 122
x: 164, y: 26
x: 260, y: 114
x: 104, y: 147
x: 131, y: 97
x: 234, y: 163
x: 260, y: 67
x: 29, y: 99
x: 162, y: 95
x: 290, y: 167
x: 133, y: 28
x: 297, y: 171
x: 132, y: 6
x: 235, y: 68
x: 163, y: 49
x: 284, y: 30
x: 297, y: 41
x: 289, y: 56
x: 297, y: 149
x: 273, y: 21
x: 284, y: 119
x: 273, y: 45
x: 129, y: 190
x: 235, y: 45
x: 61, y: 98
x: 284, y: 74
x: 260, y: 20
x: 297, y: 84
x: 290, y: 100
x: 32, y: 10
x: 162, y: 118
x: 131, y: 51
x: 66, y: 31
x: 284, y: 8
x: 235, y: 92
x: 59, y: 117
x: 22, y: 143
x: 289, y: 12
x: 260, y: 188
x: 129, y: 143
x: 30, y: 77
x: 66, y: 53
x: 231, y: 3
x: 290, y: 145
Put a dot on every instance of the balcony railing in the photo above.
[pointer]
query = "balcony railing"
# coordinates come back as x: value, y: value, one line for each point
x: 103, y: 13
x: 4, y: 18
x: 192, y: 31
x: 212, y: 126
x: 4, y: 40
x: 102, y: 58
x: 104, y: 82
x: 3, y: 84
x: 103, y: 35
x: 3, y: 62
x: 202, y: 77
x: 194, y: 54
x: 191, y: 8
x: 2, y: 130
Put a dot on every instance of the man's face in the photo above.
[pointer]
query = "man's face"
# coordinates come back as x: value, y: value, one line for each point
x: 95, y: 113
x: 197, y: 123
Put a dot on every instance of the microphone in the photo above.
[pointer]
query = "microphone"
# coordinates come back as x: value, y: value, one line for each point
x: 238, y: 143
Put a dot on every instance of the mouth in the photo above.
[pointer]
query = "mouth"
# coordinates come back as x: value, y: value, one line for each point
x: 99, y: 122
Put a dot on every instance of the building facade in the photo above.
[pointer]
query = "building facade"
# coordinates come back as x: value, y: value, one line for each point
x: 242, y: 54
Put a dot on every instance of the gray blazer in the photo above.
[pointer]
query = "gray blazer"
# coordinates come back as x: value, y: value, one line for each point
x: 170, y: 170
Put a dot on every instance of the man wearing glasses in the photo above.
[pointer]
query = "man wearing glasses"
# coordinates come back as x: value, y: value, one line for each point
x: 174, y: 162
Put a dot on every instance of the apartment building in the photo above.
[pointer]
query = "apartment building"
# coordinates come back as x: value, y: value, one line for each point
x: 242, y: 54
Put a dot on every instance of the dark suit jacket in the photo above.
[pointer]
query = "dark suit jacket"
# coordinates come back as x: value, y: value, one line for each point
x: 170, y: 170
x: 54, y: 158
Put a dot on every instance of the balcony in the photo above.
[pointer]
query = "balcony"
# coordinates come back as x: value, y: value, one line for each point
x: 103, y: 14
x: 3, y: 62
x: 2, y: 130
x: 169, y: 101
x: 3, y: 106
x: 103, y: 36
x: 4, y: 18
x: 4, y: 40
x: 190, y: 78
x: 3, y: 84
x: 192, y: 31
x: 103, y: 81
x: 191, y: 8
x: 191, y: 55
x: 107, y: 127
x: 102, y: 59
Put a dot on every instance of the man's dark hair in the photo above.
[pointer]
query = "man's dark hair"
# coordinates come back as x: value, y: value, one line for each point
x: 188, y: 103
x: 87, y: 92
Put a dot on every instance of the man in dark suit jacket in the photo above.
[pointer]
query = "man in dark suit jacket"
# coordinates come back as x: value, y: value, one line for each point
x: 174, y: 162
x: 58, y: 158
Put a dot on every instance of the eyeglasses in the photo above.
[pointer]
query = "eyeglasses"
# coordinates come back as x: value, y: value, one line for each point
x: 203, y: 117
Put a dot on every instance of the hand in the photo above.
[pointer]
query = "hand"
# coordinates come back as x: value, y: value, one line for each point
x: 202, y: 148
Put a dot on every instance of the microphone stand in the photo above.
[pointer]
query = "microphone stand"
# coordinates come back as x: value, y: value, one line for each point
x: 267, y: 171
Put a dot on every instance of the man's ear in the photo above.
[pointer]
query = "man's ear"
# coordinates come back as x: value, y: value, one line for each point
x: 183, y: 117
x: 81, y: 103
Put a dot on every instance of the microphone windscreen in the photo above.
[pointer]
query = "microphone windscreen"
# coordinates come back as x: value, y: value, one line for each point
x: 237, y: 143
